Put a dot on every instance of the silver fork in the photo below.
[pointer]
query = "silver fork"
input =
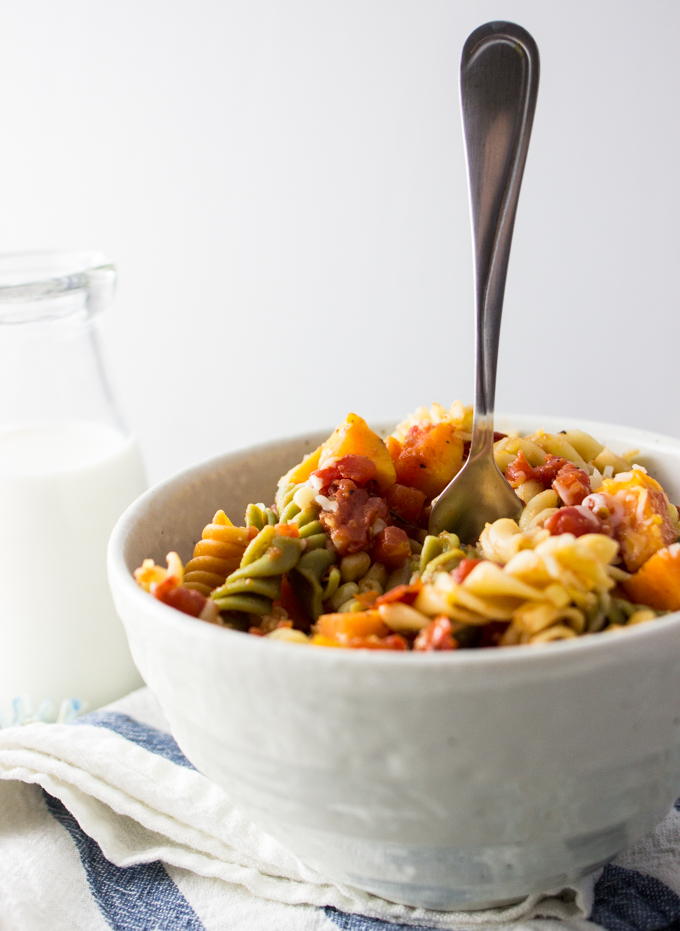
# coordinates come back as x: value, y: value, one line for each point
x: 499, y: 83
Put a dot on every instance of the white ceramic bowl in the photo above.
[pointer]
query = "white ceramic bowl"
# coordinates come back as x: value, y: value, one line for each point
x: 446, y: 780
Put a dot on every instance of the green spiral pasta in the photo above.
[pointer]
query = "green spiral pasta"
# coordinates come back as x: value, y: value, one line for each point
x: 306, y: 517
x: 605, y: 610
x: 310, y: 528
x: 257, y: 515
x: 286, y: 507
x: 312, y: 582
x: 257, y: 582
x: 440, y: 553
x: 284, y: 495
x: 359, y: 575
x: 402, y: 575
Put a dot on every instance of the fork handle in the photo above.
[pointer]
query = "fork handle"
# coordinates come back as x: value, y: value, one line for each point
x: 499, y: 72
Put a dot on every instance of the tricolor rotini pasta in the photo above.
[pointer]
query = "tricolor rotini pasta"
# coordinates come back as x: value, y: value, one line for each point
x: 342, y: 557
x: 216, y: 555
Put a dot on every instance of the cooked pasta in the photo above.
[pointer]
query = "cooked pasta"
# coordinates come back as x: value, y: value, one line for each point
x: 343, y: 558
x: 256, y: 584
x: 216, y: 555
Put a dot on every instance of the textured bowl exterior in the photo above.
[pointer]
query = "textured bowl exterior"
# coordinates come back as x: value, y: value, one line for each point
x: 442, y: 780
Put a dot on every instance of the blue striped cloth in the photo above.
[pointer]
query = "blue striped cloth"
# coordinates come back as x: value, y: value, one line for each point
x: 53, y: 874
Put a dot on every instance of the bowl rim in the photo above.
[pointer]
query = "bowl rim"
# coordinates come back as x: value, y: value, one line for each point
x: 119, y: 575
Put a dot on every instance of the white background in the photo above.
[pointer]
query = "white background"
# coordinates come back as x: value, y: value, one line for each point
x: 282, y: 187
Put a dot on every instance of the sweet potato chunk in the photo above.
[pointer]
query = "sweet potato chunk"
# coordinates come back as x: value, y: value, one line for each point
x: 355, y: 437
x: 641, y: 521
x: 657, y: 581
x: 431, y: 455
x: 343, y: 628
x: 302, y: 471
x: 393, y: 447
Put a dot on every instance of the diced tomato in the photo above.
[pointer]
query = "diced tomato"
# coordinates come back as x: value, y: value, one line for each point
x: 547, y: 472
x: 256, y: 631
x: 356, y: 512
x: 183, y: 599
x: 394, y: 642
x: 404, y: 502
x: 407, y: 594
x: 359, y: 469
x: 572, y: 484
x: 326, y: 476
x: 463, y: 569
x: 519, y: 471
x: 161, y: 590
x: 391, y: 547
x: 577, y: 520
x: 437, y: 635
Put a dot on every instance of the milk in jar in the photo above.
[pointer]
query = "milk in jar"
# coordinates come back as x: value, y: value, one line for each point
x: 68, y: 469
x: 62, y: 488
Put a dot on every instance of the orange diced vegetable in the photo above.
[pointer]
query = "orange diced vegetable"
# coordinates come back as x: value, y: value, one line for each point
x: 320, y: 641
x: 355, y: 437
x: 646, y: 524
x: 432, y: 454
x: 657, y: 582
x: 302, y: 471
x: 393, y: 447
x: 351, y: 625
x: 287, y: 530
x: 391, y: 642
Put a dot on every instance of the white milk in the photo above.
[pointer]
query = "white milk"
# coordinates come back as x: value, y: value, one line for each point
x: 62, y: 488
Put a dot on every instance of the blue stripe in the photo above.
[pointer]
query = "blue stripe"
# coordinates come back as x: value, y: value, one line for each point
x: 626, y: 900
x: 136, y: 898
x: 347, y: 922
x: 145, y: 736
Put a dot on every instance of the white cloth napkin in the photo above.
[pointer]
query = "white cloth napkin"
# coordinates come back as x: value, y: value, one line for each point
x: 120, y: 775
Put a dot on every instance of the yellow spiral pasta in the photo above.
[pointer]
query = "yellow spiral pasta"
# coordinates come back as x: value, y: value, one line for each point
x: 216, y: 555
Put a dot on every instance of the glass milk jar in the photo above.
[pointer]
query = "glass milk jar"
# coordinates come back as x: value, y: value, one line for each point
x: 68, y: 469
